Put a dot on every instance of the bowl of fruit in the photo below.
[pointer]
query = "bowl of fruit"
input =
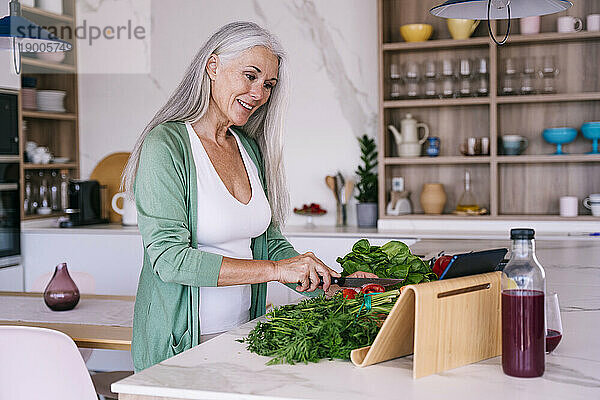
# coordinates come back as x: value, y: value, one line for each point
x: 310, y: 210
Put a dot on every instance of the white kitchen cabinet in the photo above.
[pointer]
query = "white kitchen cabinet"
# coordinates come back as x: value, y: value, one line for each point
x: 114, y: 260
x: 11, y: 279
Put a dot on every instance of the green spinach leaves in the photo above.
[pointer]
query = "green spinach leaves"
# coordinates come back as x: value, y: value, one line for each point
x: 392, y: 260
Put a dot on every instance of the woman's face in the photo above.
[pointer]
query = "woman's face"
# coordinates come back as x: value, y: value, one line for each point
x: 243, y: 84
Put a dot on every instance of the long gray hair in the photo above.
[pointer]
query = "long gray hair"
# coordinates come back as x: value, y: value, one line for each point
x: 190, y: 100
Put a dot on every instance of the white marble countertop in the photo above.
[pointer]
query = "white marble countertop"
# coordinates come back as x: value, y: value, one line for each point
x: 223, y: 369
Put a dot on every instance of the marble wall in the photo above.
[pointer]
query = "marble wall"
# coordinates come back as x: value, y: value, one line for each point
x: 332, y: 47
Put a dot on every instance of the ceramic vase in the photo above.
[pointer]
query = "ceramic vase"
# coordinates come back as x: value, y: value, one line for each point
x: 433, y: 198
x: 61, y: 294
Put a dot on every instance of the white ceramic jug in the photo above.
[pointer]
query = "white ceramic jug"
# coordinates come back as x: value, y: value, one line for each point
x: 128, y: 211
x: 407, y: 141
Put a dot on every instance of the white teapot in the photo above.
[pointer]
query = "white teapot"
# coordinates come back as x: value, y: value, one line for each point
x: 407, y: 141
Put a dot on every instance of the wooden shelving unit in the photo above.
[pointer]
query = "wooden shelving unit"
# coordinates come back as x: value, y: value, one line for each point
x: 510, y: 187
x: 49, y: 115
x: 57, y: 131
x: 436, y: 160
x: 51, y: 166
x: 435, y: 44
x: 43, y: 14
x: 549, y: 98
x: 465, y: 101
x: 32, y: 65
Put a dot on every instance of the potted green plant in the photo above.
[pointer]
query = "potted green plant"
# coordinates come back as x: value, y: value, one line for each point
x: 366, y: 209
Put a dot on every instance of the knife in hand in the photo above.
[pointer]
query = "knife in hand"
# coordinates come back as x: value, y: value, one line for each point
x: 359, y: 282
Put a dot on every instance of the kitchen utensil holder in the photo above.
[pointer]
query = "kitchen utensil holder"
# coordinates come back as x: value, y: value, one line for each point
x: 444, y: 324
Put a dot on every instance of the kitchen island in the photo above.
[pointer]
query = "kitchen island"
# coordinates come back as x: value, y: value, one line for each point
x: 222, y: 368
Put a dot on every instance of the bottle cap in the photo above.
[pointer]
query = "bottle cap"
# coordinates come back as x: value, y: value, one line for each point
x: 522, y: 233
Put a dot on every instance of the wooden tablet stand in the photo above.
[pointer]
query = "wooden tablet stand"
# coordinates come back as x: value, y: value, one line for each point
x: 445, y: 324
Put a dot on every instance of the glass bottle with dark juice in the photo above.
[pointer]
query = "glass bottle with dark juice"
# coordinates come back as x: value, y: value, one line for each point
x: 523, y: 320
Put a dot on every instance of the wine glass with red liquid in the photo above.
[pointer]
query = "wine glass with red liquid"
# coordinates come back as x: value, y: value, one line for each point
x: 553, y: 323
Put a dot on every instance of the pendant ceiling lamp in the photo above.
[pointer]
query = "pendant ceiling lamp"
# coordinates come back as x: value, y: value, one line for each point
x: 498, y: 9
x: 23, y: 36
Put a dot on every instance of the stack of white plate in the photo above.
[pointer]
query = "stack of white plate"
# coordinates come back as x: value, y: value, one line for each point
x: 51, y: 100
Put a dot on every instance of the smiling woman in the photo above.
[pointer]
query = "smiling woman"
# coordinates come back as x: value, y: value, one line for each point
x: 207, y: 177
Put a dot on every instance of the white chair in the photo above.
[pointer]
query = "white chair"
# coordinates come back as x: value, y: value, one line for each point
x: 87, y: 285
x: 39, y: 363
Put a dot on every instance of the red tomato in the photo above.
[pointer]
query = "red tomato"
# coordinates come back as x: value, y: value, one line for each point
x: 440, y: 265
x: 348, y: 293
x: 372, y: 288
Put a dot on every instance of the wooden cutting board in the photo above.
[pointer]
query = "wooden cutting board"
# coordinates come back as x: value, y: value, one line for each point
x: 444, y: 324
x: 108, y: 172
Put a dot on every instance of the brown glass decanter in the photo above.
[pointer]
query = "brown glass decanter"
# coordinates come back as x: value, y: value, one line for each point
x: 61, y: 294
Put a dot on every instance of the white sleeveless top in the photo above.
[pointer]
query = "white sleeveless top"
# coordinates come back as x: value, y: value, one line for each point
x: 226, y: 226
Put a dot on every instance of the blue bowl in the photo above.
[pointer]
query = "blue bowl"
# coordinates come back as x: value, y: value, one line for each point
x: 591, y: 130
x: 559, y: 136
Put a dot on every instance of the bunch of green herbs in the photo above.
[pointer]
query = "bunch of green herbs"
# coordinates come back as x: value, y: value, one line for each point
x: 318, y: 328
x: 392, y: 260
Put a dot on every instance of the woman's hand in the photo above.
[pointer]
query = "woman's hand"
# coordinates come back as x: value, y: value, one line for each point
x: 305, y: 270
x: 358, y: 274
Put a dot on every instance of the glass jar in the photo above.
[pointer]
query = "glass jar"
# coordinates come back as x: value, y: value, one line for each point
x: 28, y: 195
x: 523, y: 320
x: 44, y: 200
x: 55, y: 192
x: 64, y: 190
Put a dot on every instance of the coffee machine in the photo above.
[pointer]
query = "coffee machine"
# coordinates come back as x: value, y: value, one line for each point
x: 85, y: 204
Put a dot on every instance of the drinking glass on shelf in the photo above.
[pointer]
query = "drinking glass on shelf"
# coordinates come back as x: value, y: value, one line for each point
x: 553, y: 323
x: 481, y: 66
x: 465, y: 88
x: 481, y: 86
x: 510, y: 66
x: 465, y: 67
x: 430, y: 69
x: 548, y: 84
x: 395, y: 71
x: 509, y: 85
x: 549, y: 65
x: 430, y: 88
x: 527, y: 84
x: 447, y: 84
x: 396, y: 90
x: 447, y: 67
x: 529, y: 63
x: 411, y: 70
x: 412, y: 89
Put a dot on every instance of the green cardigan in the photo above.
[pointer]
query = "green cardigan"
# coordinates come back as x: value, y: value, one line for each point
x: 166, y: 320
